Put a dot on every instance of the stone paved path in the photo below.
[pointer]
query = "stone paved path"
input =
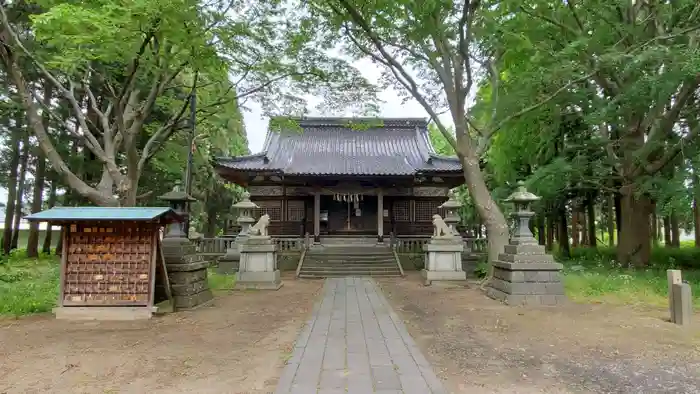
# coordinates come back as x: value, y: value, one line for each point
x: 356, y: 344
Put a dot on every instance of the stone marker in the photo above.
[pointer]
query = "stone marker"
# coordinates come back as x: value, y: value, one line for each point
x: 674, y: 277
x: 443, y: 254
x: 229, y: 262
x: 682, y: 303
x: 525, y: 274
x: 258, y: 265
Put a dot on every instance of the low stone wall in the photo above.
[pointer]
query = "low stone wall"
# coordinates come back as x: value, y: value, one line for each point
x: 285, y: 262
x: 416, y: 262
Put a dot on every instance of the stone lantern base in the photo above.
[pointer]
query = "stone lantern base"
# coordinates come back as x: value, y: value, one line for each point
x: 525, y: 275
x: 187, y: 273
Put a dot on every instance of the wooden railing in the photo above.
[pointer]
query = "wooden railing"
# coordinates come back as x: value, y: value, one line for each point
x: 415, y: 244
x: 294, y: 244
x: 218, y: 246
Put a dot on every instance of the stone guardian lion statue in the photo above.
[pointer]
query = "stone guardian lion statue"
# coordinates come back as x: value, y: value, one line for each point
x: 260, y: 228
x: 440, y: 228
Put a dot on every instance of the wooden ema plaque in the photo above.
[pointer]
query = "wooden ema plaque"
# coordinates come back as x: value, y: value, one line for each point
x: 109, y: 265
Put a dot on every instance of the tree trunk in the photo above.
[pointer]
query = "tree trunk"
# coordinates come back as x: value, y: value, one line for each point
x: 696, y: 222
x: 37, y: 201
x: 24, y: 161
x: 34, y: 121
x: 654, y: 228
x: 489, y: 211
x: 551, y: 229
x: 618, y: 215
x: 574, y: 227
x: 675, y: 231
x: 696, y: 209
x: 210, y: 223
x: 611, y: 220
x: 584, y: 226
x: 541, y: 224
x: 59, y: 242
x: 563, y: 236
x: 16, y: 137
x: 634, y: 249
x: 667, y: 232
x: 38, y: 195
x: 46, y: 247
x: 592, y: 240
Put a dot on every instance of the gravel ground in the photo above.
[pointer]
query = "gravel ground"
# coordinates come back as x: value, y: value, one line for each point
x: 237, y: 344
x: 478, y: 345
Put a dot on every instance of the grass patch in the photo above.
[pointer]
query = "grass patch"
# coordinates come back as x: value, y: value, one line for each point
x: 219, y: 281
x: 596, y: 278
x: 28, y: 285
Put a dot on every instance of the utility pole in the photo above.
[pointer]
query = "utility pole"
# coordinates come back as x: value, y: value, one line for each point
x: 190, y: 153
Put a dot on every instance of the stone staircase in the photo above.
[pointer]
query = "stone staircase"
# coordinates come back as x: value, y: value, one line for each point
x: 351, y: 259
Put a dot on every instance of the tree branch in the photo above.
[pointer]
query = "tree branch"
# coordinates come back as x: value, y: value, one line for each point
x: 394, y: 66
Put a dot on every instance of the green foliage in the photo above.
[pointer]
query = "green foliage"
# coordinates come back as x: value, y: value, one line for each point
x: 593, y: 276
x: 662, y: 258
x: 28, y: 285
x: 219, y: 281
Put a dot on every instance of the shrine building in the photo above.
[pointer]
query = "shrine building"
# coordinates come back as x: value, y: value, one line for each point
x: 363, y: 177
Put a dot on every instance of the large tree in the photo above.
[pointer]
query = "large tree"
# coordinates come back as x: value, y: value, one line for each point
x: 435, y: 52
x: 639, y: 104
x: 127, y: 71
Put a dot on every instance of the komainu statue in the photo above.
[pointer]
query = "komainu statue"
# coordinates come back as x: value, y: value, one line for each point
x: 441, y: 229
x: 260, y: 228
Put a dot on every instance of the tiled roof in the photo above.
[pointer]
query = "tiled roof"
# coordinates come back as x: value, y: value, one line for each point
x: 332, y: 146
x: 74, y: 214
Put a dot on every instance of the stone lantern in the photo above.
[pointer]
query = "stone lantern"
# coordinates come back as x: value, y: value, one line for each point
x: 187, y: 270
x: 229, y: 262
x: 522, y: 199
x: 245, y: 213
x: 524, y: 274
x: 179, y: 201
x: 451, y: 207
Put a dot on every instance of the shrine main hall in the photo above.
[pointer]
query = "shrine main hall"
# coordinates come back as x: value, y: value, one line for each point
x: 346, y: 177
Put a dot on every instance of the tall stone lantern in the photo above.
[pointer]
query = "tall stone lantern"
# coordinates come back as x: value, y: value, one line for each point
x: 179, y: 201
x: 229, y: 262
x: 451, y: 207
x: 522, y: 200
x: 524, y: 274
x: 187, y: 270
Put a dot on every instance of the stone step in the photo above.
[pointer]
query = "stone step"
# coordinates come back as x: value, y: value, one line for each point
x: 344, y: 274
x: 351, y: 261
x: 346, y: 268
x: 350, y: 266
x: 350, y: 254
x: 352, y: 251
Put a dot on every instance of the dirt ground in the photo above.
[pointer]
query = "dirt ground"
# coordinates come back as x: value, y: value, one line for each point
x: 478, y: 345
x: 236, y: 344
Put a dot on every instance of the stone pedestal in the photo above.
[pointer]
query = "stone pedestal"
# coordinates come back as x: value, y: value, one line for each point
x: 525, y: 275
x: 187, y: 273
x: 258, y: 265
x: 443, y: 260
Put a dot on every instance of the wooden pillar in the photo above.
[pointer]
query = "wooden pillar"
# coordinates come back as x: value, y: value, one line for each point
x: 317, y: 217
x: 380, y: 215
